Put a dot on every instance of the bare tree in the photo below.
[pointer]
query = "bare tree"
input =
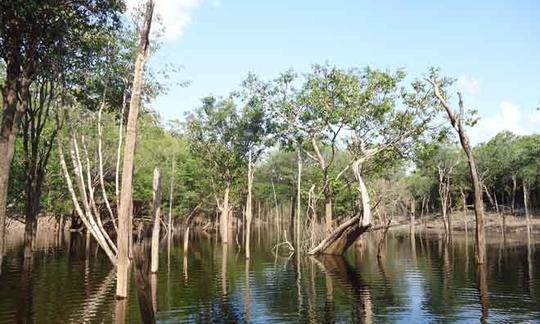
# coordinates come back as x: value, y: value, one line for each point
x: 124, y: 217
x: 457, y: 122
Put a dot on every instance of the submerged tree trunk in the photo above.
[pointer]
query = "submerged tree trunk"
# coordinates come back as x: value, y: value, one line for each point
x: 157, y: 221
x: 124, y: 231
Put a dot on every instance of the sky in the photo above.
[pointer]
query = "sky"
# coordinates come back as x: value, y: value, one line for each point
x: 491, y: 47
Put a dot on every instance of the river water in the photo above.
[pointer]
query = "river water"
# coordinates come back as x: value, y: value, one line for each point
x: 419, y: 279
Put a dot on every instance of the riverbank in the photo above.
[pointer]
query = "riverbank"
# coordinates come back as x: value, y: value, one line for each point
x: 494, y: 224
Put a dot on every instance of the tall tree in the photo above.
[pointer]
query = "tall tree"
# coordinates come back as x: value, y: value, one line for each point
x: 34, y: 35
x: 126, y: 193
x: 459, y: 121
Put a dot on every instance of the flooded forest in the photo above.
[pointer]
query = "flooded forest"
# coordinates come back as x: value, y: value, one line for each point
x: 333, y: 194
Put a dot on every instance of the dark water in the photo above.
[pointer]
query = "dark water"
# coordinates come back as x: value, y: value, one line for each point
x: 418, y: 280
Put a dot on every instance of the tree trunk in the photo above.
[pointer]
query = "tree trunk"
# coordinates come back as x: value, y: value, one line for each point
x: 224, y: 219
x: 157, y: 221
x: 526, y: 204
x: 412, y: 216
x: 347, y: 233
x: 298, y: 198
x: 8, y: 133
x: 478, y: 204
x: 186, y: 240
x: 169, y: 222
x: 514, y: 187
x: 457, y: 124
x: 248, y: 208
x: 328, y: 208
x: 129, y: 152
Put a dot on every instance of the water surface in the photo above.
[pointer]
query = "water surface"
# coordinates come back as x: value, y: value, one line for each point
x: 419, y: 279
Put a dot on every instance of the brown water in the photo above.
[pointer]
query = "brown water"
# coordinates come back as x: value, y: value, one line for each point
x: 418, y: 280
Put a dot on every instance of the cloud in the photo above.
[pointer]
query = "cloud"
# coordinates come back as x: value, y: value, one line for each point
x: 509, y: 117
x: 174, y: 15
x: 468, y: 84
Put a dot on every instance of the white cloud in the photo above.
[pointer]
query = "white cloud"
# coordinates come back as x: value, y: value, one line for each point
x: 509, y: 117
x: 468, y: 84
x: 175, y: 15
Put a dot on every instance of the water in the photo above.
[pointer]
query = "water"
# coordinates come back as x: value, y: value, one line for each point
x: 417, y: 280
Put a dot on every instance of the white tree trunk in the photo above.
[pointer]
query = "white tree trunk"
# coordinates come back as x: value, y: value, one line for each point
x: 157, y: 221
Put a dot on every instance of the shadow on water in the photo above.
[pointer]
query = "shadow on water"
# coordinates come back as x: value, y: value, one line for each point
x: 417, y: 278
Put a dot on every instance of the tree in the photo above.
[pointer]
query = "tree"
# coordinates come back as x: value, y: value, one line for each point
x: 380, y: 131
x: 458, y: 121
x: 35, y: 35
x: 126, y: 193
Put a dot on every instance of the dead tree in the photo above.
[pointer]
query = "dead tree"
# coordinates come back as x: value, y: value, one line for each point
x: 457, y: 122
x: 124, y: 217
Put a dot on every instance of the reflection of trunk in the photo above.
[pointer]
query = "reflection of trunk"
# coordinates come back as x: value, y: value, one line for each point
x: 157, y: 221
x: 120, y: 310
x: 344, y: 235
x: 383, y: 239
x: 337, y: 267
x: 224, y: 253
x: 249, y: 211
x: 143, y: 283
x: 24, y: 312
x: 95, y: 300
x: 483, y: 291
x: 126, y: 192
x: 247, y: 293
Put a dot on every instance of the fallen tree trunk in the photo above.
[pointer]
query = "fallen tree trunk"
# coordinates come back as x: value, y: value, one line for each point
x: 340, y: 239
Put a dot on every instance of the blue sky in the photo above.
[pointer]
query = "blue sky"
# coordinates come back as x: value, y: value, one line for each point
x: 493, y: 47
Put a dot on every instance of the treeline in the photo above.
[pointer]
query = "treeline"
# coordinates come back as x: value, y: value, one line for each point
x: 425, y: 173
x: 306, y: 151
